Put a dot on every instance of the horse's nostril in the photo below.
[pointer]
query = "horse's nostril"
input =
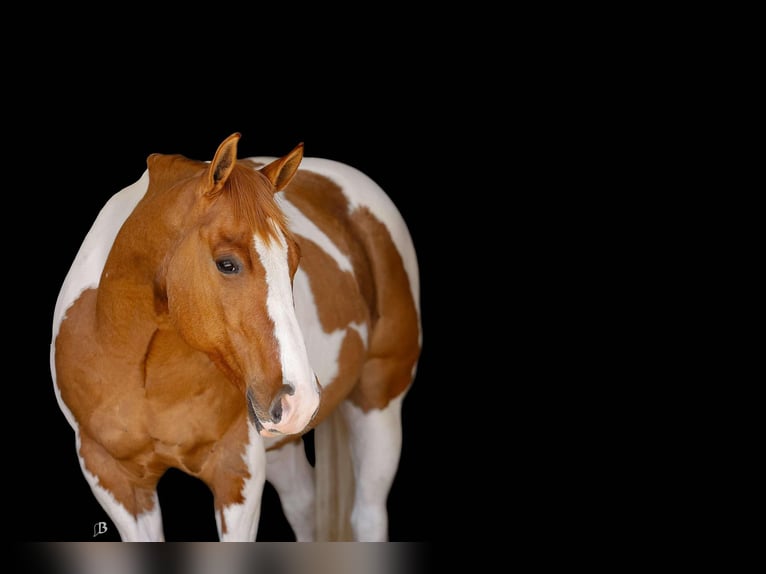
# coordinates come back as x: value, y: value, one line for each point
x: 276, y: 406
x: 276, y: 409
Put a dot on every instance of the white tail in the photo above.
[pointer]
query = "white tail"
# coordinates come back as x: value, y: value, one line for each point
x: 334, y: 480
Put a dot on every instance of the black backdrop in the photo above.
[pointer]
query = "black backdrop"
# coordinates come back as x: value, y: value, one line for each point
x: 74, y: 156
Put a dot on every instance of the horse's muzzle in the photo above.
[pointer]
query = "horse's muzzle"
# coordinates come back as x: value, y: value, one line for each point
x: 287, y: 413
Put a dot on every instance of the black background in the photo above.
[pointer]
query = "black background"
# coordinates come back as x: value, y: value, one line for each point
x: 72, y: 153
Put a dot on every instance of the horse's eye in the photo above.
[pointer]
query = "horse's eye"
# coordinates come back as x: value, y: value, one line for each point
x: 227, y: 266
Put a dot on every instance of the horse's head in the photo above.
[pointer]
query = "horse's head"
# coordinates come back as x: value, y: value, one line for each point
x: 226, y: 284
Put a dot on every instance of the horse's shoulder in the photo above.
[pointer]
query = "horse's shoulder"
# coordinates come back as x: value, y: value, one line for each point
x: 85, y: 271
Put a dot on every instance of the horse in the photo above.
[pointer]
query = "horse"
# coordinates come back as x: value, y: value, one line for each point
x: 216, y: 312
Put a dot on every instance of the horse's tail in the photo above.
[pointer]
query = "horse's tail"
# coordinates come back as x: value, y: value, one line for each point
x: 334, y: 480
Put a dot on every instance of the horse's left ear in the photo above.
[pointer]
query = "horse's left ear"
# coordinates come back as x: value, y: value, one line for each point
x: 281, y: 171
x: 222, y: 164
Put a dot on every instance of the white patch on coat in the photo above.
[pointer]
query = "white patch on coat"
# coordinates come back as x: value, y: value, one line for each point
x: 146, y: 527
x: 323, y: 348
x: 85, y: 272
x: 303, y: 226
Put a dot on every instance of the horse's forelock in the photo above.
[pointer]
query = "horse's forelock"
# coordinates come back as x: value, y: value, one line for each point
x: 253, y: 200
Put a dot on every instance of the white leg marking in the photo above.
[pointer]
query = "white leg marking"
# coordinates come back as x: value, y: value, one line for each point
x: 376, y: 444
x: 242, y: 519
x: 289, y: 471
x: 146, y: 527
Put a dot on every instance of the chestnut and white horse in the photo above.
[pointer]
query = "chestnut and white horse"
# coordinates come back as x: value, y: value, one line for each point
x: 218, y: 310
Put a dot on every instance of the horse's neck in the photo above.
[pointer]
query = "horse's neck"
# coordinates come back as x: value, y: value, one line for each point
x: 126, y: 306
x: 126, y: 309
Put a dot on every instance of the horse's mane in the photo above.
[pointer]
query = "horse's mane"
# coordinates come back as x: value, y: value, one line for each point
x: 252, y: 198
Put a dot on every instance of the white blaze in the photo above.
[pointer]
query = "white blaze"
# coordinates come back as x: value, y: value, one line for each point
x: 296, y: 369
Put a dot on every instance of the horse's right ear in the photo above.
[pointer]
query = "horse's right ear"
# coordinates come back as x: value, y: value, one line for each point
x: 281, y: 171
x: 223, y: 163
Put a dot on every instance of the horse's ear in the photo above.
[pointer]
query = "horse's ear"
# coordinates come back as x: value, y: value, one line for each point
x: 281, y: 171
x: 222, y: 164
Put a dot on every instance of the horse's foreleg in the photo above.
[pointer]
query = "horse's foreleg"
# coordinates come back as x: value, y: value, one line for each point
x: 131, y: 503
x: 291, y: 475
x: 237, y: 485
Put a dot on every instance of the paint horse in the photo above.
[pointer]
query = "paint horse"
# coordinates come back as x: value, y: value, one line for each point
x: 216, y: 312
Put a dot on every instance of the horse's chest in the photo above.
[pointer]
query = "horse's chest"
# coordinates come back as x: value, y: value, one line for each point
x: 136, y: 403
x: 189, y: 401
